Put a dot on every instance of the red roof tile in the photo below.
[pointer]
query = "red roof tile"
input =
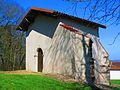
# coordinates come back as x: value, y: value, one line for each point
x: 115, y: 66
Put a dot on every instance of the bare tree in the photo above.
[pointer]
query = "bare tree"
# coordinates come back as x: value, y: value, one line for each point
x: 99, y: 10
x: 102, y: 11
x: 12, y: 46
x: 10, y: 12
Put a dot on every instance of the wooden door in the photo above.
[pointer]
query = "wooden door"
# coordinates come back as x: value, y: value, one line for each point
x: 40, y: 60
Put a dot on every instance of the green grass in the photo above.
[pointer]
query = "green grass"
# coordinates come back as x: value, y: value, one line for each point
x: 36, y: 82
x: 117, y: 82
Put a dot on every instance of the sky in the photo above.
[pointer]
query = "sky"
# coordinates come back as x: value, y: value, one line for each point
x: 106, y: 35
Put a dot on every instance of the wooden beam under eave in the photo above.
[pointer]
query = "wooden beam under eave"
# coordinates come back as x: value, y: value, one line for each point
x: 27, y: 20
x: 20, y: 28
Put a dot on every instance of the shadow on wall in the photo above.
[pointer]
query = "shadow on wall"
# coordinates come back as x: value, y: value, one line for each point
x: 87, y: 60
x: 59, y: 51
x: 65, y: 54
x: 81, y: 26
x: 47, y: 26
x: 44, y: 25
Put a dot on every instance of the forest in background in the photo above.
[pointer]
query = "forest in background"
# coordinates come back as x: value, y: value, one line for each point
x: 12, y: 41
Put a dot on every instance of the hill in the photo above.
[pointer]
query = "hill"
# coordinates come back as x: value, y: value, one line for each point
x: 35, y: 81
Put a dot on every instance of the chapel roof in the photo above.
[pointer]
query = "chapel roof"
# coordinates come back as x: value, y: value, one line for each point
x: 33, y: 12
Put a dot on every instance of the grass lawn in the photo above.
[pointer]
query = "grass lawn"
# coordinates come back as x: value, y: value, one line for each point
x: 36, y: 82
x: 117, y: 82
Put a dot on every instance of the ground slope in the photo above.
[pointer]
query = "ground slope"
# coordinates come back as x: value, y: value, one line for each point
x: 34, y: 81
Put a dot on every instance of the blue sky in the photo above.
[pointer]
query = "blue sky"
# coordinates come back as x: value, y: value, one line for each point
x: 106, y: 35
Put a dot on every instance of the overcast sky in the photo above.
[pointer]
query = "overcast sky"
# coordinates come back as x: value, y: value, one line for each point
x: 106, y: 35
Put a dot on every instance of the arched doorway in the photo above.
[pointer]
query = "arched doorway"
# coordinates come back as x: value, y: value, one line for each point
x: 40, y: 59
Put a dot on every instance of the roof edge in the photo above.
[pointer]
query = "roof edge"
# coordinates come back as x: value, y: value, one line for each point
x: 56, y: 14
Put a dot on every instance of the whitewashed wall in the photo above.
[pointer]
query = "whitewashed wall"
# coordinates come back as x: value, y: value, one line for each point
x: 67, y: 54
x: 78, y: 25
x: 102, y: 74
x: 64, y: 51
x: 33, y: 41
x: 40, y: 33
x: 115, y: 74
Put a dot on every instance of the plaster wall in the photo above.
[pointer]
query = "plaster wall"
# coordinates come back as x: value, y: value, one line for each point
x: 80, y: 26
x: 115, y: 74
x: 33, y: 41
x: 64, y: 51
x: 39, y: 35
x: 41, y: 32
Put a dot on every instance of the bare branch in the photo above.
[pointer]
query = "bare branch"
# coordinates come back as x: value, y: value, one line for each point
x: 115, y: 39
